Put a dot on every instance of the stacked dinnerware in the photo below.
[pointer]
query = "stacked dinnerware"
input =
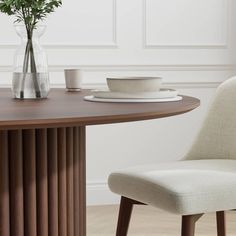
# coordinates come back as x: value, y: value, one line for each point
x: 134, y: 89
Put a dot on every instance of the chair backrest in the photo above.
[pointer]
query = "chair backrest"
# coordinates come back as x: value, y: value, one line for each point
x: 217, y: 136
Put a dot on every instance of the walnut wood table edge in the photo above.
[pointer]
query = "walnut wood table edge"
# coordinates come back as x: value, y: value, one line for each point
x: 40, y: 124
x: 63, y: 109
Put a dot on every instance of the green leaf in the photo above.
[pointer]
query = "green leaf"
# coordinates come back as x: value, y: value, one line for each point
x: 29, y: 11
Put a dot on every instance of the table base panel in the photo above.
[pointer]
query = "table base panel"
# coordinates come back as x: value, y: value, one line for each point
x: 42, y: 182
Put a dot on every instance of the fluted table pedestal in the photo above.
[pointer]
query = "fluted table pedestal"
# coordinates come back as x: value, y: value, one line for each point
x: 42, y: 175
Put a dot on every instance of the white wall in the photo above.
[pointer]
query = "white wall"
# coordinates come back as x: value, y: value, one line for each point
x: 190, y: 43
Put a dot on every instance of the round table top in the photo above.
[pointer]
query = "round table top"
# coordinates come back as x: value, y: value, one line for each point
x: 68, y: 108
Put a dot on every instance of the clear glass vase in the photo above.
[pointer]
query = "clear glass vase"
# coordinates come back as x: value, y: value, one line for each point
x: 30, y: 76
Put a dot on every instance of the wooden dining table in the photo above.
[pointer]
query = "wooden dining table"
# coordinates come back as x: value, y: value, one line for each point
x: 43, y: 157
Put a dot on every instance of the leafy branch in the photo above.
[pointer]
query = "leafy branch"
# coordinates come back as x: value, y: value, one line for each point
x: 30, y: 12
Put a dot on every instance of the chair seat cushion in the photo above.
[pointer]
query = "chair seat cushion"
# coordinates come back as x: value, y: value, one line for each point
x: 182, y: 187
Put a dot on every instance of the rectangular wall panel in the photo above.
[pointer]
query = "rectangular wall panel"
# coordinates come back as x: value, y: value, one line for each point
x: 185, y: 23
x: 83, y: 22
x: 76, y: 23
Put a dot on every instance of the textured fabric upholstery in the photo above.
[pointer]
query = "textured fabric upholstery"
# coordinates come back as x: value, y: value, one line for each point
x: 205, y: 180
x: 182, y: 187
x: 217, y: 137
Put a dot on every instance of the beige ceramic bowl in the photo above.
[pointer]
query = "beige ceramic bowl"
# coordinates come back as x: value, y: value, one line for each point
x: 134, y: 84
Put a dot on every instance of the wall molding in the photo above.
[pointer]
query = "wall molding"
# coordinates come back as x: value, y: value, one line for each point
x: 226, y: 17
x: 61, y: 46
x: 159, y: 67
x: 193, y: 84
x: 98, y: 193
x: 177, y: 85
x: 180, y: 85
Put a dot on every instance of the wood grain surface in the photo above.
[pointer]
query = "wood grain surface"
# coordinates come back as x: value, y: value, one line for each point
x: 68, y: 108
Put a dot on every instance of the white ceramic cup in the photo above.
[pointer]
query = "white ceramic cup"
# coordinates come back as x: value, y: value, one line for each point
x: 73, y: 78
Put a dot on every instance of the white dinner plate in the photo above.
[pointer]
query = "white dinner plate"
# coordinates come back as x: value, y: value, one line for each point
x: 163, y: 93
x: 132, y: 100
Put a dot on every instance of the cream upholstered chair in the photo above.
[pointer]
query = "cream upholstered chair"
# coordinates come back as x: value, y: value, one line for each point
x: 203, y: 181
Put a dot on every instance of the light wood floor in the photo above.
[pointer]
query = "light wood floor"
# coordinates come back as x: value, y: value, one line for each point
x: 147, y: 221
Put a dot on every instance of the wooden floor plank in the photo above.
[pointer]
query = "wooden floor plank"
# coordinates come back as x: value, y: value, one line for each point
x: 148, y: 221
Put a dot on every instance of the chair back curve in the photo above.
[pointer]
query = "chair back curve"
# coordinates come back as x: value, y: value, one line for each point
x: 217, y: 136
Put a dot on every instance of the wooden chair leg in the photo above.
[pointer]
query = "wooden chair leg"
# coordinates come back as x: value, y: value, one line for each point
x: 188, y: 224
x: 220, y: 220
x: 126, y: 207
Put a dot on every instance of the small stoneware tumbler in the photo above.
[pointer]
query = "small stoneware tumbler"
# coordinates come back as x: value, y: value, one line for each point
x: 73, y: 78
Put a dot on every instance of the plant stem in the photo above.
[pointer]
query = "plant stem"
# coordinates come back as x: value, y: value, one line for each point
x: 25, y: 69
x: 29, y: 52
x: 34, y: 71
